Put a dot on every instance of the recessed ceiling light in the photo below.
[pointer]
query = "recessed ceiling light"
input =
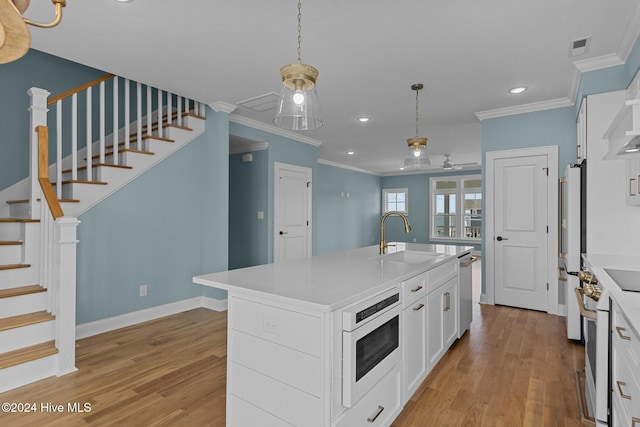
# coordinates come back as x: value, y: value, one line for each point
x: 351, y: 152
x: 363, y: 119
x: 517, y: 90
x: 124, y: 1
x: 402, y: 168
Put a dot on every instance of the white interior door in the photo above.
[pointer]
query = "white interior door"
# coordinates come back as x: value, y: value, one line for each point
x: 521, y: 231
x: 292, y: 216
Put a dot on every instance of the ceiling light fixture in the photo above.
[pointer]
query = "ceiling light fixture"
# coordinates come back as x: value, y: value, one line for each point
x: 298, y: 108
x: 15, y: 38
x: 351, y: 152
x: 517, y: 90
x: 417, y: 155
x: 363, y: 119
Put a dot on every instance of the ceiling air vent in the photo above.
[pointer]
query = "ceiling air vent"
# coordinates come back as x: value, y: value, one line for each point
x: 261, y: 103
x: 579, y: 46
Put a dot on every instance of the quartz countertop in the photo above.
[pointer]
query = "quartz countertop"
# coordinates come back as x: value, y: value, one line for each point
x: 330, y: 282
x: 628, y: 301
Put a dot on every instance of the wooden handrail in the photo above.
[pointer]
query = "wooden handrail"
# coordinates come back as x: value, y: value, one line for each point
x: 80, y: 88
x: 43, y: 172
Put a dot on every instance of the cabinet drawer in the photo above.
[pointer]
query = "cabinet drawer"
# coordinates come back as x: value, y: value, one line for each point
x: 625, y: 386
x: 292, y: 329
x: 626, y: 340
x: 437, y: 276
x: 413, y: 289
x: 379, y: 407
x: 278, y: 399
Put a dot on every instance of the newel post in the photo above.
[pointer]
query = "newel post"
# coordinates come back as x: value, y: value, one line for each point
x: 38, y: 111
x: 65, y: 240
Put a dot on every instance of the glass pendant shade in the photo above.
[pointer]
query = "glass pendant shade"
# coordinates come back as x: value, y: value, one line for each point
x: 417, y: 156
x: 299, y: 108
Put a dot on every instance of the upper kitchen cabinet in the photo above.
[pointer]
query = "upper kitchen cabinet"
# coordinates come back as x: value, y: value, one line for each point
x: 581, y: 143
x: 623, y: 133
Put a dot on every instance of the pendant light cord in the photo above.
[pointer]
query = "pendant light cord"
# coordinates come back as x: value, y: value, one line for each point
x: 416, y: 113
x: 299, y: 32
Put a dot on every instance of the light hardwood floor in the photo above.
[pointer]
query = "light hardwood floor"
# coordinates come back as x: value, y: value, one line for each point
x: 514, y: 368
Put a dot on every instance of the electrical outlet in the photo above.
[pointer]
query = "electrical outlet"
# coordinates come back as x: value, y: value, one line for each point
x: 271, y: 325
x: 143, y: 290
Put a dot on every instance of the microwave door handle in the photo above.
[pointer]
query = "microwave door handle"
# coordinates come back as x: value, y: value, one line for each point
x: 584, y: 312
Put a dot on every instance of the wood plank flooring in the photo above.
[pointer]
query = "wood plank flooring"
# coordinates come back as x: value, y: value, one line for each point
x: 514, y: 368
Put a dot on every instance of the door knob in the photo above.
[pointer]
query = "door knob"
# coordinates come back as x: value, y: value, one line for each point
x: 283, y: 232
x: 500, y: 238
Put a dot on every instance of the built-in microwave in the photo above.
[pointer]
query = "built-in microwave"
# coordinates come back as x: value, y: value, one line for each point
x: 371, y: 344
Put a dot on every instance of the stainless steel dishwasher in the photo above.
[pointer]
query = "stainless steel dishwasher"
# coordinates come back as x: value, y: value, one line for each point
x: 465, y: 310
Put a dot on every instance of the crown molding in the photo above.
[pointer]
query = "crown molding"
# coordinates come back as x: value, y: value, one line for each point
x: 343, y: 166
x: 222, y: 107
x: 273, y: 129
x: 598, y: 63
x: 525, y: 108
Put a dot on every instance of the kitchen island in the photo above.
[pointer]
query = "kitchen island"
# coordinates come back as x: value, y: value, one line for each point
x: 298, y: 333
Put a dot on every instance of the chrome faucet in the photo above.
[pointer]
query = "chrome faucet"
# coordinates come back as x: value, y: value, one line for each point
x: 407, y: 228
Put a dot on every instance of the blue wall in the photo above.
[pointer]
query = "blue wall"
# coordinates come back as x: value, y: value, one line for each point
x: 419, y: 207
x: 348, y: 209
x: 162, y: 229
x: 35, y: 69
x: 248, y: 194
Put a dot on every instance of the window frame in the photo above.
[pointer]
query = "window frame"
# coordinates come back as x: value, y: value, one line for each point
x: 459, y: 193
x: 387, y: 191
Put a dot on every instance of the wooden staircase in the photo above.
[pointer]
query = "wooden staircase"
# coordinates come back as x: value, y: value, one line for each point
x: 35, y: 322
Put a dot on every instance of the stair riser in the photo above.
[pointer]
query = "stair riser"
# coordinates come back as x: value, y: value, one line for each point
x: 11, y: 254
x: 26, y: 373
x: 11, y: 230
x: 19, y: 210
x: 18, y: 277
x: 26, y: 336
x: 23, y: 304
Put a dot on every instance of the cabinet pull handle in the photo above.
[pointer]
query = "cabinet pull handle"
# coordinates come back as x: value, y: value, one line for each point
x: 622, y: 336
x: 376, y: 415
x: 635, y: 421
x: 620, y: 384
x: 560, y: 278
x: 638, y: 181
x: 447, y: 301
x: 631, y: 186
x: 584, y: 312
x: 419, y: 307
x: 417, y: 288
x: 468, y: 263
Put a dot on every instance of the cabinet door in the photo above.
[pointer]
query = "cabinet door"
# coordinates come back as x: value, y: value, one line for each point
x: 633, y: 175
x: 415, y: 346
x: 450, y: 317
x: 435, y: 332
x: 581, y: 143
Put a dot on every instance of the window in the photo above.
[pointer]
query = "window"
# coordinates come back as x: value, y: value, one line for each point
x: 456, y: 207
x: 395, y: 199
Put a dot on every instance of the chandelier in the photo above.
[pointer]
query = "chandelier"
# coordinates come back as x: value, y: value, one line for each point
x: 15, y: 38
x: 298, y: 108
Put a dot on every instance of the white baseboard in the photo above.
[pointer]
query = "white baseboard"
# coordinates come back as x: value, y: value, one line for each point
x: 483, y: 299
x: 562, y: 310
x: 105, y: 325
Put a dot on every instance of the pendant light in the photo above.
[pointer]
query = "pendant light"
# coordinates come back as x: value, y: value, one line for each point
x: 298, y: 108
x: 417, y: 155
x: 15, y: 38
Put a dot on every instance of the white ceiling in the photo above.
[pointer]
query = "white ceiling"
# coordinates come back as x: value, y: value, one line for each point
x: 467, y: 53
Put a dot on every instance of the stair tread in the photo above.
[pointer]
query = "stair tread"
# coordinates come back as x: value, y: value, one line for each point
x: 158, y: 138
x: 38, y: 199
x: 80, y: 168
x: 167, y: 125
x: 21, y: 290
x: 11, y: 242
x: 193, y: 115
x: 125, y: 150
x: 27, y: 354
x: 18, y: 201
x: 18, y: 220
x: 25, y: 320
x: 81, y: 181
x: 13, y: 266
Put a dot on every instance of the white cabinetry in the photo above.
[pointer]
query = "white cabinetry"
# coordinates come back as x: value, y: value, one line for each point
x: 414, y: 297
x: 633, y: 182
x: 625, y: 371
x: 442, y: 321
x: 581, y: 122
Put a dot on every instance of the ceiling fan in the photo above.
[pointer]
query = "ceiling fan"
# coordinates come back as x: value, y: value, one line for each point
x: 449, y: 165
x: 15, y: 38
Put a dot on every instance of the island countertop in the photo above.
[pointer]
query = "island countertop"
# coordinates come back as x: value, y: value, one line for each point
x: 329, y: 282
